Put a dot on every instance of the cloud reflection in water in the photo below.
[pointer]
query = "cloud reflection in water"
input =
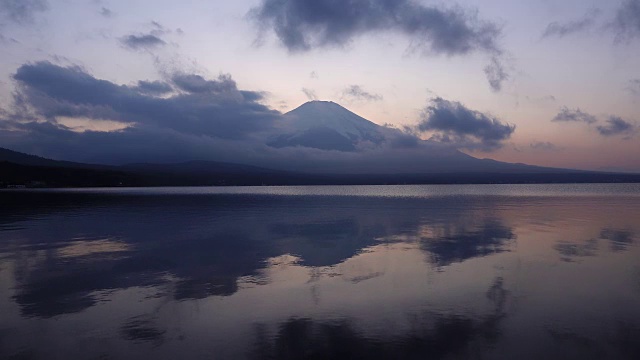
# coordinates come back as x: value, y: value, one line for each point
x: 268, y: 276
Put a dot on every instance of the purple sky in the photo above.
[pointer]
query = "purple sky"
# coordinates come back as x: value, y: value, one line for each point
x: 564, y: 75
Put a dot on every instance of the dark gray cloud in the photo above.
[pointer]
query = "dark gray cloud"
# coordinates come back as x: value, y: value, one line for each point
x: 454, y: 123
x: 544, y: 146
x: 22, y: 11
x: 303, y: 25
x: 254, y: 95
x: 405, y: 140
x: 496, y: 74
x: 615, y: 126
x: 626, y: 23
x: 355, y: 92
x: 207, y: 107
x: 587, y: 22
x: 142, y: 42
x: 197, y: 84
x: 577, y: 115
x: 153, y: 87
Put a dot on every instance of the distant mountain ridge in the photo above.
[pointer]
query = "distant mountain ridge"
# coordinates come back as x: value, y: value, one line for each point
x: 41, y: 172
x: 33, y: 160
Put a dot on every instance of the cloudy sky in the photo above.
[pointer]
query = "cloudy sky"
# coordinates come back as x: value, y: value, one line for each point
x: 535, y: 81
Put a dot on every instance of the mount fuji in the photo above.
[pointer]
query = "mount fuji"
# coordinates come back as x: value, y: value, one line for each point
x: 326, y: 125
x: 366, y: 147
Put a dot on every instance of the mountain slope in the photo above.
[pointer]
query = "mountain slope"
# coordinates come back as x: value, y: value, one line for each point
x: 330, y: 115
x: 33, y: 160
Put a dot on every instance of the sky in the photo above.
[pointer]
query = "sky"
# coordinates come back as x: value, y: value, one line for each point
x: 533, y: 81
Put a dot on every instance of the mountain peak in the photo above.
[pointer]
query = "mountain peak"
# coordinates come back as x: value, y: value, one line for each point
x: 319, y: 105
x: 328, y: 114
x: 319, y: 102
x: 326, y: 125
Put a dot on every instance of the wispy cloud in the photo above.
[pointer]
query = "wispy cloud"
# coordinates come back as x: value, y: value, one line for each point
x: 577, y: 115
x: 634, y: 87
x: 496, y: 74
x: 626, y: 23
x: 310, y: 94
x: 22, y: 11
x: 142, y: 42
x: 544, y: 146
x: 613, y: 125
x: 106, y: 12
x: 357, y: 93
x: 559, y: 30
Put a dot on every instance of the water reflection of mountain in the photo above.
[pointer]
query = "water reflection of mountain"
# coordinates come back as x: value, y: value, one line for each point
x: 459, y: 244
x: 68, y: 248
x: 428, y: 336
x: 308, y: 339
x: 142, y: 329
x: 289, y: 276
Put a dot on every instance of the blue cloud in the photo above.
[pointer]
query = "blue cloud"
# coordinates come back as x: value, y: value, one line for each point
x: 142, y: 42
x: 615, y: 126
x: 455, y: 123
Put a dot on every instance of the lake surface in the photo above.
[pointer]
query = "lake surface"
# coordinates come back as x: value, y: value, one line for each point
x: 363, y: 272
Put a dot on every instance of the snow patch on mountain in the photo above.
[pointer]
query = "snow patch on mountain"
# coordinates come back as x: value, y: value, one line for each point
x: 328, y: 126
x: 331, y: 115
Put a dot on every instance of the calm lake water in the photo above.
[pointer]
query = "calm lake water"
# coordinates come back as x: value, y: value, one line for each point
x: 362, y: 272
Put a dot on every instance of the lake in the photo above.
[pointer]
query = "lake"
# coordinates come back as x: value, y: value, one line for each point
x: 362, y: 272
